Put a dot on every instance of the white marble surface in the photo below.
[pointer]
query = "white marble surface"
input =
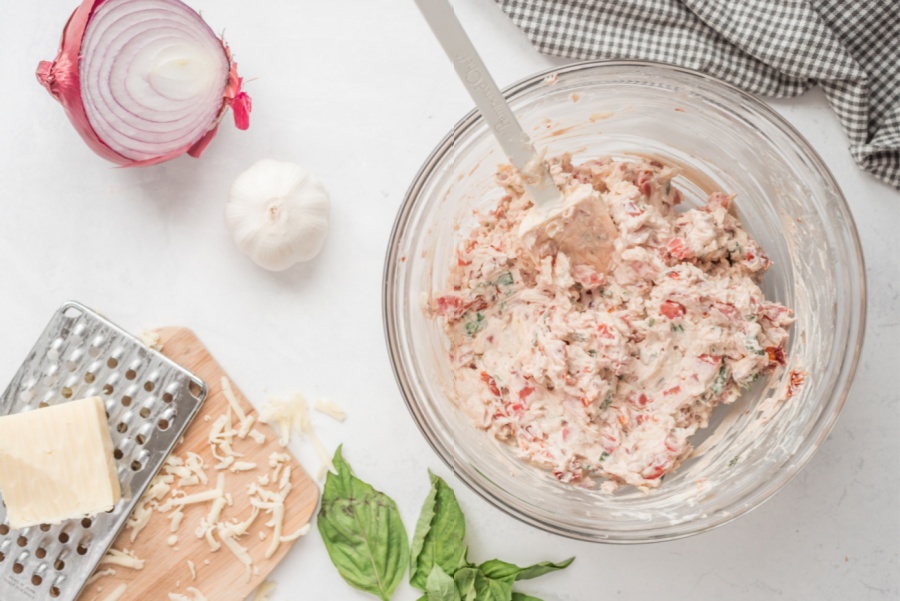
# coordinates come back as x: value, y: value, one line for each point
x: 359, y: 92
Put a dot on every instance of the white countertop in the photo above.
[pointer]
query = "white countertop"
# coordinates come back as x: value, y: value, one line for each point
x: 359, y: 92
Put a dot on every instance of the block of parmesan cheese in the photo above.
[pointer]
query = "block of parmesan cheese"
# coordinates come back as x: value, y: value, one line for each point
x: 56, y: 463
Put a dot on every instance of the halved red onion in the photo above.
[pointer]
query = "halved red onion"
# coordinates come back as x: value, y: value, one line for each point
x: 144, y: 81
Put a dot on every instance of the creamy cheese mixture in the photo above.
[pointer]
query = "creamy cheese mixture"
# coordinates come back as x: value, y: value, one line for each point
x: 608, y: 374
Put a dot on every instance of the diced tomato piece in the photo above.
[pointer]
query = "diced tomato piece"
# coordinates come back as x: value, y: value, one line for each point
x: 642, y: 400
x: 654, y: 472
x: 776, y: 355
x: 796, y: 381
x: 605, y: 332
x: 674, y: 390
x: 711, y: 359
x: 678, y: 249
x: 728, y: 310
x: 447, y: 304
x: 643, y: 182
x: 463, y: 263
x: 526, y: 392
x: 676, y: 197
x: 491, y: 383
x: 671, y: 309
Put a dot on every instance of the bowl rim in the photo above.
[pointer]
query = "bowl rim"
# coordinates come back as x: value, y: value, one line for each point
x: 792, y: 466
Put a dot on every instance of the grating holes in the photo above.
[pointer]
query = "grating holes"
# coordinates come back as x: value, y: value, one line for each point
x: 108, y: 389
x: 167, y: 397
x: 63, y: 537
x: 148, y: 386
x: 72, y: 313
x: 136, y: 465
x: 126, y: 400
x: 81, y: 549
x: 145, y: 412
x: 22, y: 541
x: 66, y: 392
x: 86, y: 523
x: 140, y: 439
x: 59, y: 565
x: 4, y: 529
x: 41, y: 553
x: 118, y: 454
x: 122, y: 428
x: 195, y: 388
x: 36, y: 580
x: 54, y: 591
x: 18, y: 568
x: 89, y: 377
x: 130, y: 374
x: 71, y: 365
x: 163, y: 424
x: 43, y: 404
x: 112, y: 363
x: 45, y: 527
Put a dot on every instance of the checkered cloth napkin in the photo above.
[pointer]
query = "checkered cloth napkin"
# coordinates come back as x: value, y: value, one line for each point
x: 770, y: 47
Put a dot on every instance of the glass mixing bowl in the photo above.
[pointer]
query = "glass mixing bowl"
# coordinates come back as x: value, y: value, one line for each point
x: 723, y: 139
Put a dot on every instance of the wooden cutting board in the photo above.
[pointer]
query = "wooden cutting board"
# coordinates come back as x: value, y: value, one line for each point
x: 224, y: 577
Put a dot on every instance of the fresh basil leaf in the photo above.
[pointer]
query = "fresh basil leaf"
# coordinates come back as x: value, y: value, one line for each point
x: 439, y: 534
x: 524, y: 597
x: 498, y: 569
x: 490, y: 589
x: 465, y: 583
x: 423, y: 526
x: 464, y: 560
x: 440, y: 586
x: 362, y: 532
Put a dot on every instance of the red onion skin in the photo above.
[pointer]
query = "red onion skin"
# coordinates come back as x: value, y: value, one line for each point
x: 61, y: 78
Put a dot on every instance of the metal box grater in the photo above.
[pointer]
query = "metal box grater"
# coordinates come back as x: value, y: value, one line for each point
x: 149, y: 400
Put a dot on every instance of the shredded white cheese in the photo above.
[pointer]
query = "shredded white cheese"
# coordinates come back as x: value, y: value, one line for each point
x: 257, y: 436
x: 239, y: 551
x: 176, y: 517
x: 150, y: 338
x: 200, y: 497
x: 216, y: 510
x: 225, y: 463
x: 301, y: 531
x: 117, y: 593
x: 192, y: 569
x: 196, y: 595
x: 331, y: 409
x: 324, y: 456
x: 98, y: 575
x: 172, y: 540
x: 232, y: 400
x: 262, y: 592
x: 242, y: 466
x: 124, y: 558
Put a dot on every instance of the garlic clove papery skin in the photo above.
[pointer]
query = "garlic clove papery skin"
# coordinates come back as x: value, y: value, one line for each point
x: 277, y: 213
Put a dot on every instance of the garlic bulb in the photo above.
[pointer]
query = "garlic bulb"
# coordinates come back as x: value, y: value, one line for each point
x: 277, y: 213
